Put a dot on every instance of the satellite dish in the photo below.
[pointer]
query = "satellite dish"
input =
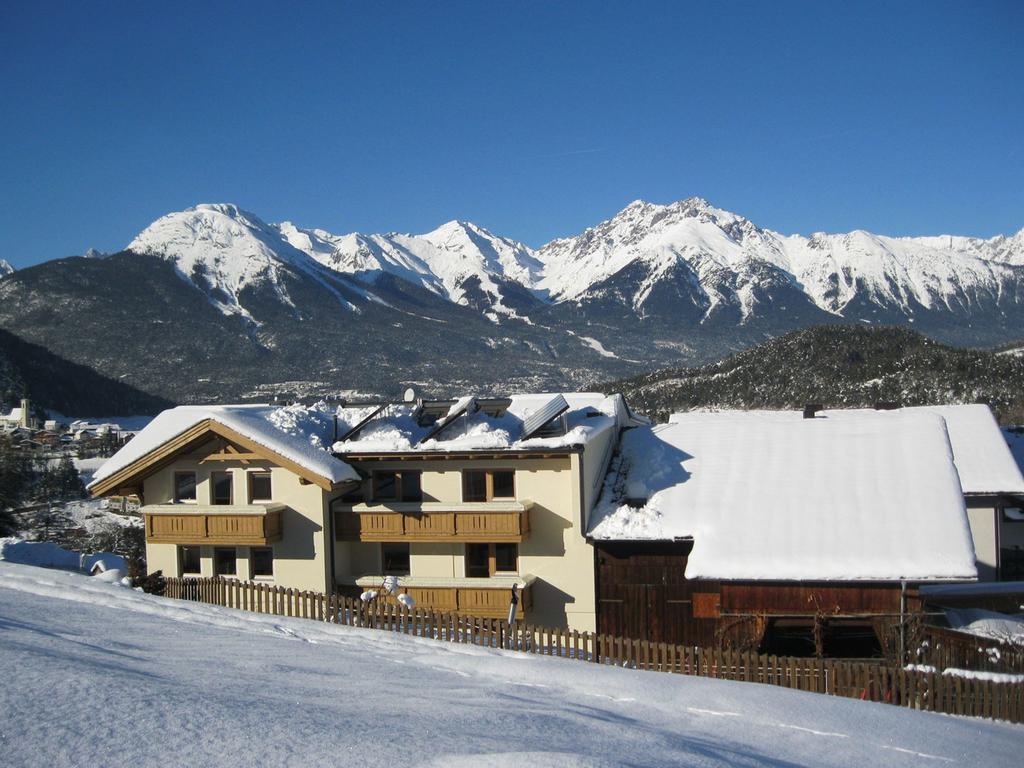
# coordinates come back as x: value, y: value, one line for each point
x: 410, y: 395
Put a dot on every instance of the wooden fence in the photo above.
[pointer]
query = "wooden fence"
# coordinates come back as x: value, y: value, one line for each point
x: 925, y: 690
x: 945, y: 648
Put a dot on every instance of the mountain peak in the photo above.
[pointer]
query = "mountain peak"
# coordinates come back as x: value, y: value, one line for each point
x: 5, y: 268
x: 227, y: 209
x: 224, y: 248
x: 453, y: 227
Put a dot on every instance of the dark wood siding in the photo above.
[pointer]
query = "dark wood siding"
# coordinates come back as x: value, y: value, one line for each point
x: 642, y: 593
x: 810, y: 598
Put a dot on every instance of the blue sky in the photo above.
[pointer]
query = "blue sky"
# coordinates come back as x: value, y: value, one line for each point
x: 534, y: 120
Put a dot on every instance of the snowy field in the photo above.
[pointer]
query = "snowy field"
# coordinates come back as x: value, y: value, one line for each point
x: 95, y: 674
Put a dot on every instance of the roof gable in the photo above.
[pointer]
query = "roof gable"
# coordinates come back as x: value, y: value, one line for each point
x: 186, y: 427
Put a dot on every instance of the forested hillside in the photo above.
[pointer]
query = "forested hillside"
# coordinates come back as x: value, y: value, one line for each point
x: 55, y: 383
x: 837, y: 366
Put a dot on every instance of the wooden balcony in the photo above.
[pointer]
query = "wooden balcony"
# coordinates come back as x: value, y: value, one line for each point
x: 482, y: 522
x: 251, y: 524
x: 483, y: 598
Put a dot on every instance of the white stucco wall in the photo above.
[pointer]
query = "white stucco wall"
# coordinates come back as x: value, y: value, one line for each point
x: 300, y: 555
x: 984, y: 531
x: 555, y: 551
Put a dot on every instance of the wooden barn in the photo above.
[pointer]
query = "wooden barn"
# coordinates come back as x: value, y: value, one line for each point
x: 770, y: 531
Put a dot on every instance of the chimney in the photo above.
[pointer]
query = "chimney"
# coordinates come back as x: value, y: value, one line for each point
x: 811, y: 410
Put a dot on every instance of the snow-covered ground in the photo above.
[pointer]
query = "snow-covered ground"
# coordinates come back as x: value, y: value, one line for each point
x: 95, y: 674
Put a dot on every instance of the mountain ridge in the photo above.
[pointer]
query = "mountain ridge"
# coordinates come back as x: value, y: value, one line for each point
x: 725, y: 254
x: 213, y: 303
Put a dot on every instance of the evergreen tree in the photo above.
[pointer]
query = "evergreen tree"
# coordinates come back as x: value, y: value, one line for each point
x: 14, y: 479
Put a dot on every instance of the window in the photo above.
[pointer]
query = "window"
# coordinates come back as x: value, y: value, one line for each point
x: 395, y: 559
x: 261, y: 561
x: 220, y: 488
x: 484, y: 560
x: 259, y: 487
x: 397, y: 486
x: 506, y: 558
x: 503, y: 484
x: 188, y: 560
x: 409, y: 483
x: 184, y: 486
x: 488, y: 484
x: 385, y: 486
x: 474, y: 485
x: 224, y: 561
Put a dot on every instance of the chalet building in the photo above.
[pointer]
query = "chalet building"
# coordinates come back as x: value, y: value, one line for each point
x: 460, y: 500
x: 226, y: 492
x: 775, y: 531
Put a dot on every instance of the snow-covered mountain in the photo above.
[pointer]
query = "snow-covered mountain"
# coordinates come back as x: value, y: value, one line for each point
x: 701, y: 262
x: 5, y: 268
x: 730, y: 261
x: 459, y: 307
x: 459, y: 260
x: 228, y: 251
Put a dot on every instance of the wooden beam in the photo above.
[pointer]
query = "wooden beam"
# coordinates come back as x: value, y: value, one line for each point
x: 229, y: 452
x: 267, y: 453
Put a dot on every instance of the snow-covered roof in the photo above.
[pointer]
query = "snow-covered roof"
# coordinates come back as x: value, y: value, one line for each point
x: 304, y: 433
x: 397, y: 428
x: 998, y: 626
x: 980, y: 452
x: 272, y: 427
x: 771, y: 495
x: 14, y: 415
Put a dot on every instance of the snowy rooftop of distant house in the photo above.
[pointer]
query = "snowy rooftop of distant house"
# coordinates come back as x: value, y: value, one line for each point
x: 14, y: 415
x: 475, y: 423
x: 263, y: 424
x: 847, y: 495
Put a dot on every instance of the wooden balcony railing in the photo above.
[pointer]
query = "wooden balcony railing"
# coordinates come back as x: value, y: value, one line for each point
x: 484, y: 522
x: 483, y: 598
x: 253, y: 524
